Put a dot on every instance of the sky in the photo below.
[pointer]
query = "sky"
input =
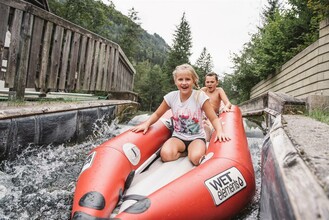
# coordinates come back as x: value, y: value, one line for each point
x: 222, y: 26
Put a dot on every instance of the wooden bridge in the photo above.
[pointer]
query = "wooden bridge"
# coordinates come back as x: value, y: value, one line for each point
x: 43, y: 51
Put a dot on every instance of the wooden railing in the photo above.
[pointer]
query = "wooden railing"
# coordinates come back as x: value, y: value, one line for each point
x: 43, y: 51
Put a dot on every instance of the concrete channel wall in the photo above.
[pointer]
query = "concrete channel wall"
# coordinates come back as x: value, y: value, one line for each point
x: 295, y: 159
x: 304, y: 75
x: 295, y: 152
x: 54, y: 124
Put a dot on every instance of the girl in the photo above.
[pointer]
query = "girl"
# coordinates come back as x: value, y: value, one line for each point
x: 186, y: 105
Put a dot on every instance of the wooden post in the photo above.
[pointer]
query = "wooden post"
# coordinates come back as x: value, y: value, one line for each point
x: 4, y: 11
x: 45, y: 57
x: 20, y: 82
x: 34, y: 58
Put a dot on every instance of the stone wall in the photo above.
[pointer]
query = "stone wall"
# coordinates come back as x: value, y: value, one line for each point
x: 304, y: 75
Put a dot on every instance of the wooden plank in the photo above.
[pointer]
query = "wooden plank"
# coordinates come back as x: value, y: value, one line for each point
x: 125, y: 79
x: 14, y: 4
x: 115, y: 70
x: 55, y: 57
x: 20, y: 82
x: 122, y: 75
x: 35, y: 52
x: 119, y: 76
x: 106, y: 65
x: 95, y: 66
x: 89, y: 62
x: 65, y: 60
x: 131, y: 84
x: 100, y: 72
x: 4, y: 11
x: 111, y: 70
x: 73, y: 61
x: 81, y: 65
x: 45, y: 57
x: 14, y: 48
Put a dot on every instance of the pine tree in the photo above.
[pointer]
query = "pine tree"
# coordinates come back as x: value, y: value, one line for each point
x: 203, y: 64
x: 270, y: 10
x: 179, y: 52
x: 132, y: 30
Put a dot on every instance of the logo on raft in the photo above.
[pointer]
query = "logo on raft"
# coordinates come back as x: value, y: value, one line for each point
x: 226, y: 184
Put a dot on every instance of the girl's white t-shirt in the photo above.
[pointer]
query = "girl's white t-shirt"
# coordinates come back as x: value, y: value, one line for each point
x: 187, y: 115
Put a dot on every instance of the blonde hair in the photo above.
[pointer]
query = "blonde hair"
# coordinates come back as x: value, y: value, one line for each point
x: 189, y: 68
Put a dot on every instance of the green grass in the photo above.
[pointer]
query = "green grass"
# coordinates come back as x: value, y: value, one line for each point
x: 320, y: 115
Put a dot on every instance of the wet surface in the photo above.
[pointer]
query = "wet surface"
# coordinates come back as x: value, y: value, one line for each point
x: 40, y: 182
x: 310, y: 137
x: 8, y: 110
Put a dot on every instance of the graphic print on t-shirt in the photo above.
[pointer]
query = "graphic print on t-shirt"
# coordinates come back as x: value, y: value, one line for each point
x: 186, y: 124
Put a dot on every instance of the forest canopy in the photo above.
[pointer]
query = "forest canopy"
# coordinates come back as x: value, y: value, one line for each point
x: 287, y: 28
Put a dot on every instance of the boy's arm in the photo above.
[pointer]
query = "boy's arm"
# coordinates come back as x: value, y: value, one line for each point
x: 224, y: 98
x: 215, y: 121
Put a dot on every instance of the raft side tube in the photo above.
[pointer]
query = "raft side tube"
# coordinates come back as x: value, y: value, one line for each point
x: 106, y: 176
x: 108, y: 165
x: 237, y: 148
x: 147, y: 143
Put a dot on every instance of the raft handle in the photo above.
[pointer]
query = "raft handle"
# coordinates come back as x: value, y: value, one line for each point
x: 142, y: 204
x: 129, y: 179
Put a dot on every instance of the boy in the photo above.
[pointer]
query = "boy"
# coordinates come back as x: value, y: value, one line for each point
x: 216, y: 95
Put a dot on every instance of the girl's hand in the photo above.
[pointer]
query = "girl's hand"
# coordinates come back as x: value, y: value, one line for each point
x: 222, y: 137
x: 142, y: 127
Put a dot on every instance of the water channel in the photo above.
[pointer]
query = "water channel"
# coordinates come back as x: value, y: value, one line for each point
x: 40, y: 183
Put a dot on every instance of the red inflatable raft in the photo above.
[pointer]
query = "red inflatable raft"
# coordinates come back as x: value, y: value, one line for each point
x: 124, y: 178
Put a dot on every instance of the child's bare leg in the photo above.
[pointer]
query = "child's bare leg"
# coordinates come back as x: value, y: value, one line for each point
x: 172, y: 149
x: 196, y: 150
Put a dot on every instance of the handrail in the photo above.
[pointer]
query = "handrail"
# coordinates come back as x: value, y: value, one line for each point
x: 43, y: 51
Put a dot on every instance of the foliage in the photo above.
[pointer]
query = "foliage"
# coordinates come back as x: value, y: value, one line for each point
x: 203, y: 65
x: 106, y: 21
x: 152, y: 82
x: 148, y: 85
x: 243, y: 78
x: 147, y: 52
x: 131, y: 31
x: 89, y: 14
x: 179, y: 53
x: 285, y: 31
x: 320, y: 115
x: 320, y: 8
x: 229, y: 88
